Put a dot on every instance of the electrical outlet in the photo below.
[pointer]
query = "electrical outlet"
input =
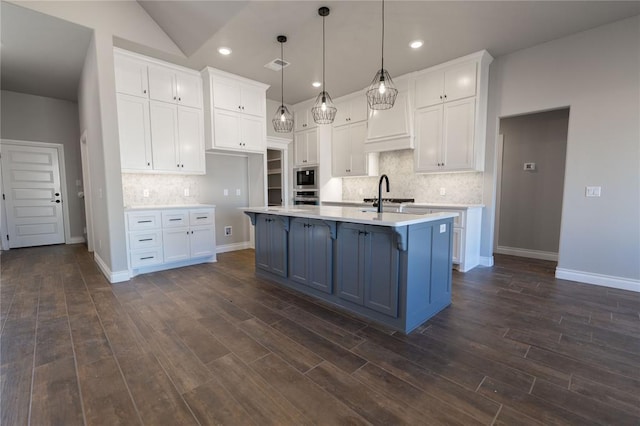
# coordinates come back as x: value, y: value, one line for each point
x: 228, y: 231
x: 186, y: 192
x: 592, y: 191
x: 443, y: 191
x: 443, y: 228
x: 530, y: 167
x: 225, y: 192
x: 145, y: 193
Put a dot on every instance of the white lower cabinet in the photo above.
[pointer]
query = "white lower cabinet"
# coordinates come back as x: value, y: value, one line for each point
x: 169, y: 238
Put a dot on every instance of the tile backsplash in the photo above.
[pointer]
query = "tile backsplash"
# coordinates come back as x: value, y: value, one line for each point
x: 461, y: 188
x: 163, y: 189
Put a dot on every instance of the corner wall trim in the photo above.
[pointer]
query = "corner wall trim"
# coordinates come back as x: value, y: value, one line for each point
x: 75, y: 240
x: 598, y: 279
x: 233, y: 247
x: 486, y: 260
x: 113, y: 277
x: 533, y: 254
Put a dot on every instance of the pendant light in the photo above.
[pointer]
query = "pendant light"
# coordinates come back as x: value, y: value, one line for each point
x: 282, y: 120
x: 382, y: 93
x: 323, y: 111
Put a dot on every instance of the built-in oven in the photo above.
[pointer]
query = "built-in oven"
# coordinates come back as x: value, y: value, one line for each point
x: 305, y: 178
x: 309, y: 198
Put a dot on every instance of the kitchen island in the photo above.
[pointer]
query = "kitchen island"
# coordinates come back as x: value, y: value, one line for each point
x: 392, y: 268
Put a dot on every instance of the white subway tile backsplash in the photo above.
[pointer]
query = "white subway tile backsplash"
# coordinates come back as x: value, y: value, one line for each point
x: 461, y: 188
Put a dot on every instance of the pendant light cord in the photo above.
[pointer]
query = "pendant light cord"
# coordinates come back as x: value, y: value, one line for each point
x: 323, y: 56
x: 282, y: 76
x: 383, y: 34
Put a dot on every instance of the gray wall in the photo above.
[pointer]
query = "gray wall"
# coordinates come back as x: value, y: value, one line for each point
x: 39, y: 119
x: 531, y: 201
x: 227, y: 172
x: 595, y: 73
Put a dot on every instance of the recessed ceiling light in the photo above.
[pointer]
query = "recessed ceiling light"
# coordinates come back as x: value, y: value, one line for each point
x: 416, y: 44
x: 224, y: 51
x: 316, y: 84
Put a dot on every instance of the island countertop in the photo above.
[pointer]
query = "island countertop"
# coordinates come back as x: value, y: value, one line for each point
x: 366, y: 216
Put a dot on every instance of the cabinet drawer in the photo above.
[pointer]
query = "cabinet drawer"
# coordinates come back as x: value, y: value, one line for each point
x: 145, y: 239
x: 200, y: 217
x: 458, y: 221
x: 140, y: 221
x: 141, y: 258
x: 175, y: 218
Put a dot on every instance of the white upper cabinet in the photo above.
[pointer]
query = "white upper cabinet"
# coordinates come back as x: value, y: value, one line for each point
x: 302, y: 117
x: 234, y: 112
x: 446, y: 84
x: 160, y: 120
x: 348, y: 157
x: 169, y: 85
x: 451, y: 115
x: 131, y: 76
x: 305, y: 147
x: 392, y: 129
x: 351, y: 109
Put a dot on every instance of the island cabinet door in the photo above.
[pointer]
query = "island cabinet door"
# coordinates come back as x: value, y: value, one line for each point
x: 350, y: 263
x: 441, y: 244
x: 278, y: 246
x: 298, y: 253
x: 381, y: 263
x: 262, y: 241
x: 320, y: 256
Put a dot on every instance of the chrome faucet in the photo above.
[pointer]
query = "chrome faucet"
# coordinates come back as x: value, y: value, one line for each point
x: 383, y: 177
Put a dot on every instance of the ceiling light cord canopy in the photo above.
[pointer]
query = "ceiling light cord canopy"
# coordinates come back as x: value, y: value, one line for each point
x: 323, y: 110
x: 382, y: 93
x: 283, y: 119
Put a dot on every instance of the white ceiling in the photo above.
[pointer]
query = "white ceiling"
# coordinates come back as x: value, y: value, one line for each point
x: 44, y: 55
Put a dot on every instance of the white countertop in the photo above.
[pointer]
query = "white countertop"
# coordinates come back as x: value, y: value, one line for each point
x: 351, y: 214
x: 418, y: 205
x: 169, y: 206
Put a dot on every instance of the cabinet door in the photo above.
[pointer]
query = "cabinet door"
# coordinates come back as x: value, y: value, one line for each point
x: 202, y: 241
x: 226, y: 94
x: 341, y: 151
x: 175, y: 244
x: 252, y: 133
x: 429, y: 89
x: 298, y: 254
x: 350, y: 263
x: 164, y: 129
x: 312, y: 146
x: 390, y: 123
x: 162, y: 84
x: 252, y: 100
x: 278, y: 248
x: 131, y: 76
x: 428, y: 122
x: 300, y: 148
x: 189, y: 90
x: 302, y: 119
x: 381, y: 270
x: 134, y: 132
x: 358, y: 156
x: 359, y: 109
x: 262, y: 241
x: 226, y: 133
x: 441, y: 264
x: 457, y: 245
x: 460, y: 81
x: 190, y: 140
x: 458, y: 133
x: 320, y: 256
x: 343, y: 113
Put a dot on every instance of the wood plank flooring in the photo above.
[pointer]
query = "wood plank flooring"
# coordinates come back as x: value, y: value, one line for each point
x: 213, y: 344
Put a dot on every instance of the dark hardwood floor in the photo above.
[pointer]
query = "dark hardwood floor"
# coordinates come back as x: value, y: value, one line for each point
x: 212, y: 344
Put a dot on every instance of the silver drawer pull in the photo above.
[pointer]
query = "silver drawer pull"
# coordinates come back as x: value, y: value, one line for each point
x: 145, y: 221
x: 202, y: 217
x: 145, y: 258
x: 173, y: 220
x: 146, y: 239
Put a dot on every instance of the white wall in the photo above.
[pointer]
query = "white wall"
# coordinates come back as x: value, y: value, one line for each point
x: 36, y: 118
x: 597, y: 74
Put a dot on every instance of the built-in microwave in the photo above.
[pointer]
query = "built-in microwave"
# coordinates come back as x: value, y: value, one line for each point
x: 305, y: 178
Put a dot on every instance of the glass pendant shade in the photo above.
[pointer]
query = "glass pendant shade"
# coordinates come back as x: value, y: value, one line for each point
x: 323, y: 110
x: 282, y: 120
x: 381, y: 93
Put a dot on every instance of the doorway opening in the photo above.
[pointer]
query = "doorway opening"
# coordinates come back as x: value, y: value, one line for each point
x: 531, y: 167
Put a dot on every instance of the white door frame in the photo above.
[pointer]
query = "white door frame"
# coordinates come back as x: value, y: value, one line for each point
x: 63, y: 185
x: 86, y: 188
x: 281, y: 144
x: 499, y: 154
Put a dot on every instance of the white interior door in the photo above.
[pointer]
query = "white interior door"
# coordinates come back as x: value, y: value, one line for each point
x: 33, y: 197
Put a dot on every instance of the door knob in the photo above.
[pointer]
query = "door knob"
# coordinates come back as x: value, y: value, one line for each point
x: 57, y: 194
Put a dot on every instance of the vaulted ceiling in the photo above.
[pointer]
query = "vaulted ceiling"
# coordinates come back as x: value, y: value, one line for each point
x: 32, y: 42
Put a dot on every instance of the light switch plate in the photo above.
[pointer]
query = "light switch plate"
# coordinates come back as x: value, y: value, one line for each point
x: 186, y: 192
x: 592, y: 191
x: 443, y: 191
x: 238, y: 192
x: 226, y: 192
x: 443, y: 228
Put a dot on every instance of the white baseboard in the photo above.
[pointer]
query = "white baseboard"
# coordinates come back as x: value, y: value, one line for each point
x: 598, y: 279
x: 113, y: 277
x: 486, y: 260
x: 233, y: 247
x: 75, y: 240
x: 534, y: 254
